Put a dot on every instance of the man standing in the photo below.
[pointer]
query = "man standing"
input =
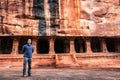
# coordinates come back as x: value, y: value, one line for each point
x: 27, y: 49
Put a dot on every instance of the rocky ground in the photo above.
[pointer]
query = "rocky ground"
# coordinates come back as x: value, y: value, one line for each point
x: 61, y: 74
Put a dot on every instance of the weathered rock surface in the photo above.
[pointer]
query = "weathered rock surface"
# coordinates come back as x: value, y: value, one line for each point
x: 51, y: 17
x: 104, y: 14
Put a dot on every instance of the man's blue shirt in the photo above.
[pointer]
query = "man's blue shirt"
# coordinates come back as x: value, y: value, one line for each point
x: 28, y: 49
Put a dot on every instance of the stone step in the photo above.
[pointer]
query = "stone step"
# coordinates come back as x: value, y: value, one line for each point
x: 66, y: 61
x: 4, y: 65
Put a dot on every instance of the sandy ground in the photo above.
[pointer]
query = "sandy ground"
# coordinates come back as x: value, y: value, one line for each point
x: 60, y: 74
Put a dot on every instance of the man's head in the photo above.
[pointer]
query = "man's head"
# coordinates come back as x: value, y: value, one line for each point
x: 29, y: 41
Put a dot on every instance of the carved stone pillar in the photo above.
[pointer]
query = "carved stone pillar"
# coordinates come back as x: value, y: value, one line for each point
x: 15, y: 46
x: 51, y: 46
x: 72, y: 48
x: 104, y: 46
x: 47, y: 16
x: 88, y: 46
x: 68, y: 19
x: 34, y: 42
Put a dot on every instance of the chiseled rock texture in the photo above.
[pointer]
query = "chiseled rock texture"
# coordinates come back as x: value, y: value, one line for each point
x: 60, y: 18
x: 101, y: 17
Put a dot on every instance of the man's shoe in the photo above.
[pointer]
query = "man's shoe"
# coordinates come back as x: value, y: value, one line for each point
x: 29, y: 75
x: 24, y: 76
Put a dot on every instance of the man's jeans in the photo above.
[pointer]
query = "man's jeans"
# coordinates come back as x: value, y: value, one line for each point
x: 29, y: 61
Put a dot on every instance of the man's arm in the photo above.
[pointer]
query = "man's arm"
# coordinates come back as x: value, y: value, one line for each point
x: 32, y: 49
x: 23, y: 49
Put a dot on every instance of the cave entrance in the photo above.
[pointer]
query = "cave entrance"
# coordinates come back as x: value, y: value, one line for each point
x: 80, y: 46
x: 95, y: 44
x: 62, y: 46
x: 111, y: 47
x: 43, y: 46
x: 6, y: 45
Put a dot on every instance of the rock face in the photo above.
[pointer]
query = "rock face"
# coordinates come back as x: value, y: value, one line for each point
x: 60, y: 18
x: 101, y: 16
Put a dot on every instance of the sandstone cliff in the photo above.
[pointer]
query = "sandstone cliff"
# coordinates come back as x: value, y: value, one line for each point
x: 60, y: 17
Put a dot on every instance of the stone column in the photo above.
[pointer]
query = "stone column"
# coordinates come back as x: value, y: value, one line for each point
x: 72, y: 48
x: 47, y: 16
x: 88, y: 46
x: 34, y: 42
x: 104, y: 46
x: 28, y: 7
x: 63, y: 13
x: 78, y: 13
x: 24, y: 7
x: 67, y: 8
x: 15, y: 46
x: 51, y: 46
